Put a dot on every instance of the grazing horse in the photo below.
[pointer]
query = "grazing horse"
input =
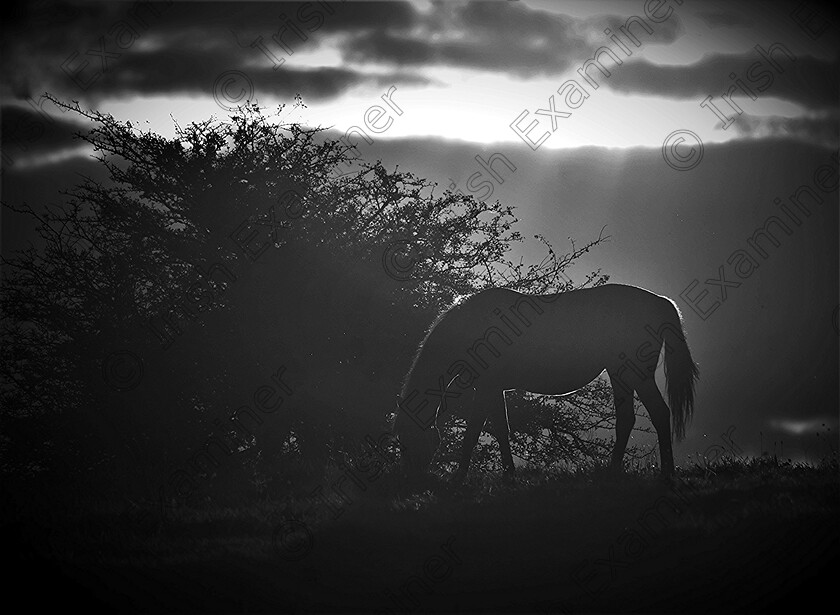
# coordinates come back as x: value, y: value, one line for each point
x: 553, y: 344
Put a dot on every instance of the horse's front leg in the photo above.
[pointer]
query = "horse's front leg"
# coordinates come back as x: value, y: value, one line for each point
x: 474, y: 426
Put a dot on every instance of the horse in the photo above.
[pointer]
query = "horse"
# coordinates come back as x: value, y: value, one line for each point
x: 500, y: 339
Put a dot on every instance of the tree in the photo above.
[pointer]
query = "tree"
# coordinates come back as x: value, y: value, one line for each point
x: 145, y: 331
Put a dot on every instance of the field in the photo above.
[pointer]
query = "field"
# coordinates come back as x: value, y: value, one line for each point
x: 740, y: 536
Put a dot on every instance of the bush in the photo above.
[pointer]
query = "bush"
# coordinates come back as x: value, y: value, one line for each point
x: 158, y: 305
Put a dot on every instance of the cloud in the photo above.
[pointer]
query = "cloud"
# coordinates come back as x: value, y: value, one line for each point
x: 31, y: 134
x: 196, y: 72
x: 507, y: 37
x: 718, y: 19
x: 40, y: 13
x: 189, y: 72
x: 93, y: 50
x: 100, y: 49
x: 806, y: 80
x: 823, y: 129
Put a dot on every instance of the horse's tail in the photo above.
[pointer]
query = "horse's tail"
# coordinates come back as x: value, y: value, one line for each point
x: 680, y: 372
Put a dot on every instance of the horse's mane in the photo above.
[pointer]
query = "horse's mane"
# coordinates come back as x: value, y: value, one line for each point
x: 415, y: 361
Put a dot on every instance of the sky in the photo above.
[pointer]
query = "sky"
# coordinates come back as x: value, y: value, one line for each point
x: 674, y: 124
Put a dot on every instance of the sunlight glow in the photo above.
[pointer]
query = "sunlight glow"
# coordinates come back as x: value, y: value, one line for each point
x: 798, y: 427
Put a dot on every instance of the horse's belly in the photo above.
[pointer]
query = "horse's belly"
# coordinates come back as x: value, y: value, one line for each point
x: 547, y: 380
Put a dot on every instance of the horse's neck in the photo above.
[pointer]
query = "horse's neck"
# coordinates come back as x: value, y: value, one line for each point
x: 421, y: 396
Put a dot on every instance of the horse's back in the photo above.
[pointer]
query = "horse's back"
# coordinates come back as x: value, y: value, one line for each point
x: 615, y: 303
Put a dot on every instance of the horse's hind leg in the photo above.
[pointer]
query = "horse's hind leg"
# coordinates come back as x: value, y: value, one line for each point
x: 625, y: 418
x: 475, y: 423
x: 501, y: 429
x: 660, y: 416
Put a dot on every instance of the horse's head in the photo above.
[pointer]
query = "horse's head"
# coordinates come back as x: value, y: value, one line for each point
x: 418, y: 444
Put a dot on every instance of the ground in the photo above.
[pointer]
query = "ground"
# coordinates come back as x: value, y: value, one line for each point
x: 737, y: 537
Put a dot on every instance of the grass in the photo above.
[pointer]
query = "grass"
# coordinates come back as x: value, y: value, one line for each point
x: 732, y: 537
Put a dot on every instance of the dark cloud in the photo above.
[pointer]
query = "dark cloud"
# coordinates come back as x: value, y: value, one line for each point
x: 29, y: 132
x: 189, y: 72
x: 507, y: 37
x: 164, y: 47
x: 805, y: 80
x: 38, y: 13
x: 70, y: 24
x: 158, y: 48
x: 395, y: 49
x: 197, y: 72
x: 718, y: 19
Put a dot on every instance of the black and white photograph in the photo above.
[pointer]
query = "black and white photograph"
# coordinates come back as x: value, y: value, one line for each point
x: 420, y: 306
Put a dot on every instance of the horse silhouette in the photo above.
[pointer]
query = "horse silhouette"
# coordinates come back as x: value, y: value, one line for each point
x: 499, y: 339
